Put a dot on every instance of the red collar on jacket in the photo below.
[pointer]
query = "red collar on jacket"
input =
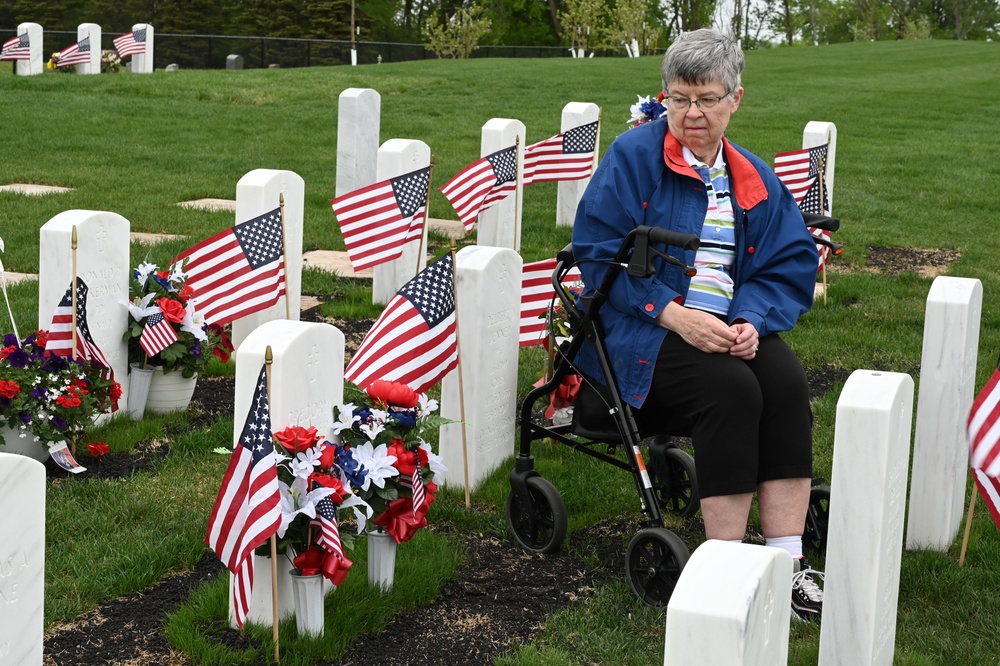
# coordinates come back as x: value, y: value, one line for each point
x: 747, y: 185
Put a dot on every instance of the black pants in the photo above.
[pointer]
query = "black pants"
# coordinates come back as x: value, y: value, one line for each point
x: 750, y: 421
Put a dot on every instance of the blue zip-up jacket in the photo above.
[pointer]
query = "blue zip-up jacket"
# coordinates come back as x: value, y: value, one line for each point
x: 644, y: 179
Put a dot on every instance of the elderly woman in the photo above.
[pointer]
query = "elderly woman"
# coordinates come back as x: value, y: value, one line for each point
x: 702, y: 354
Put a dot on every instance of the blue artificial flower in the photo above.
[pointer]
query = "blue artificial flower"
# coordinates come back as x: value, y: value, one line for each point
x: 404, y: 419
x: 196, y: 349
x: 352, y: 468
x: 364, y: 413
x: 163, y: 282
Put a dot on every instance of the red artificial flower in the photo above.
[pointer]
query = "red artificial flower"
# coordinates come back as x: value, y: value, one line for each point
x: 185, y: 293
x: 115, y: 390
x: 225, y: 345
x: 332, y: 482
x: 172, y: 310
x: 315, y: 560
x: 328, y: 456
x: 297, y: 438
x: 9, y: 389
x: 97, y: 449
x: 68, y: 400
x: 41, y: 337
x: 7, y: 351
x: 392, y: 393
x: 77, y: 386
x: 406, y: 460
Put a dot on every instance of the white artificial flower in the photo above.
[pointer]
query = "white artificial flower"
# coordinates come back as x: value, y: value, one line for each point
x: 139, y: 308
x: 304, y: 462
x: 372, y: 429
x: 377, y: 462
x: 434, y: 461
x: 362, y: 510
x: 426, y: 406
x: 177, y: 273
x: 347, y: 418
x: 193, y: 322
x: 295, y: 500
x: 143, y: 271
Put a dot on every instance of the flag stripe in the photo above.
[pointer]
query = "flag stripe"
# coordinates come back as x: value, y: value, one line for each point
x: 989, y: 488
x: 482, y: 185
x: 984, y: 427
x: 537, y: 293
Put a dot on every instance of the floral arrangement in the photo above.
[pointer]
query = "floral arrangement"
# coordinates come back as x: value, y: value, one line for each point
x: 315, y: 480
x: 388, y: 439
x: 53, y: 64
x: 111, y: 63
x: 52, y: 398
x: 165, y: 292
x: 647, y: 110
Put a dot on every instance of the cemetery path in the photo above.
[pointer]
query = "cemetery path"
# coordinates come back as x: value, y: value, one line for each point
x: 498, y: 599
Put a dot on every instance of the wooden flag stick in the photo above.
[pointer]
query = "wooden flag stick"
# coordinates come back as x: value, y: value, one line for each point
x: 517, y: 194
x: 597, y: 141
x: 268, y: 360
x: 73, y: 245
x: 427, y: 209
x: 461, y: 386
x: 968, y: 524
x: 284, y: 252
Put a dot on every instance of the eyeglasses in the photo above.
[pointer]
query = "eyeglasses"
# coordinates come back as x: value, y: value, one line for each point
x: 703, y: 103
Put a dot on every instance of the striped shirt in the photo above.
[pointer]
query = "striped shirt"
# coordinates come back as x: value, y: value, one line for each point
x: 712, y: 287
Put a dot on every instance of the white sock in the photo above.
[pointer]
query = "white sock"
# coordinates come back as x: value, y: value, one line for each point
x: 790, y: 544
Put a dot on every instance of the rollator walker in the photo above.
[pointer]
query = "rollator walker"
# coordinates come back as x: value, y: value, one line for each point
x: 603, y: 423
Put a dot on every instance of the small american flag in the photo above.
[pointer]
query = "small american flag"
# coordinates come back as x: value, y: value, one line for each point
x: 566, y: 156
x: 482, y: 185
x: 157, y: 334
x: 77, y: 54
x: 804, y: 174
x: 536, y: 294
x: 413, y: 340
x: 984, y: 428
x: 326, y: 520
x: 417, y: 484
x: 60, y: 339
x: 376, y: 221
x: 246, y: 511
x: 239, y: 271
x: 16, y: 48
x: 989, y: 488
x: 131, y: 43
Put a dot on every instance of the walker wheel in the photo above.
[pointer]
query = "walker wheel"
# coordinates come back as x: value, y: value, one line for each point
x: 675, y: 483
x: 541, y: 526
x: 817, y: 520
x: 653, y: 563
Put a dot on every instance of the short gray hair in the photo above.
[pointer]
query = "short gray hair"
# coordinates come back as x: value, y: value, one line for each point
x: 700, y: 56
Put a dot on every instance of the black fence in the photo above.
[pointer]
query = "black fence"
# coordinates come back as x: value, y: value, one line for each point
x: 212, y: 51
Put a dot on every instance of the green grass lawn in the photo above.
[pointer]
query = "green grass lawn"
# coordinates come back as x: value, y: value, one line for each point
x: 917, y: 125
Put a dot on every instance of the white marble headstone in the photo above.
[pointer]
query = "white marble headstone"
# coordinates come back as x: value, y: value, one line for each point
x: 396, y: 157
x: 500, y: 225
x: 35, y: 64
x: 22, y: 560
x: 575, y: 114
x: 142, y: 63
x: 947, y: 385
x: 93, y: 32
x: 307, y: 380
x: 359, y: 115
x: 817, y: 133
x: 731, y: 607
x: 259, y: 192
x: 867, y: 499
x: 102, y: 262
x: 488, y: 303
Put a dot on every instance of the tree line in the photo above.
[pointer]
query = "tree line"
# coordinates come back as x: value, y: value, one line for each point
x: 456, y: 26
